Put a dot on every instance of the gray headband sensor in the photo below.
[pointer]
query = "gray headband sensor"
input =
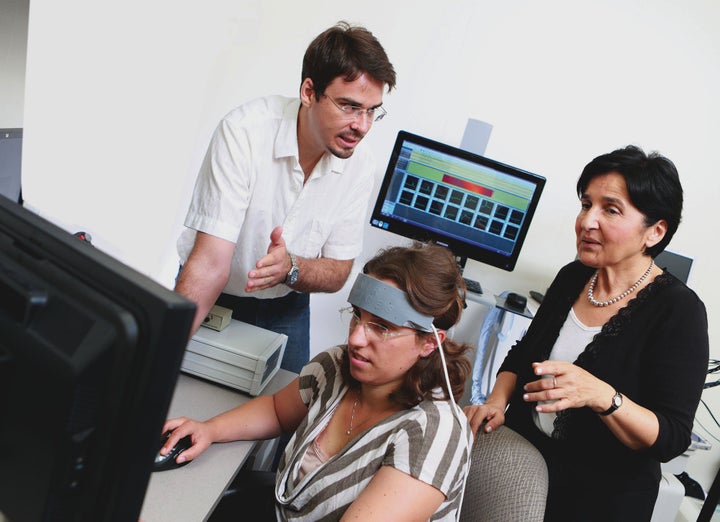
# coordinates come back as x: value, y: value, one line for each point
x: 387, y: 302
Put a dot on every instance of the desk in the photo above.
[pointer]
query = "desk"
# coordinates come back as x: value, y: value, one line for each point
x: 191, y: 492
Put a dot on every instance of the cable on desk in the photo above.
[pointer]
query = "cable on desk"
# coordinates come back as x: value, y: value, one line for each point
x: 706, y: 430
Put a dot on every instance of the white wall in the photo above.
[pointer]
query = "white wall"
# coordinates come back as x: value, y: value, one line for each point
x: 13, y: 42
x: 121, y: 98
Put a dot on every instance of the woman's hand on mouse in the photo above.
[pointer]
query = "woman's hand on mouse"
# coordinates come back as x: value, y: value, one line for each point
x: 200, y: 434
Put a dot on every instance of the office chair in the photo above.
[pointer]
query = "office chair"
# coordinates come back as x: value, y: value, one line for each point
x: 508, y: 480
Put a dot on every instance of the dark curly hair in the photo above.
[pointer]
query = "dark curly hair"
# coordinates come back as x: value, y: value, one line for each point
x: 434, y: 285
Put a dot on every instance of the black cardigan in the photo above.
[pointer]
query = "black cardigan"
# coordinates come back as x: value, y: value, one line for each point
x: 654, y: 351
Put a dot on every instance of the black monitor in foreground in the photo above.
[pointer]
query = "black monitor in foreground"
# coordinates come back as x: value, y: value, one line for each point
x: 479, y: 208
x: 90, y: 352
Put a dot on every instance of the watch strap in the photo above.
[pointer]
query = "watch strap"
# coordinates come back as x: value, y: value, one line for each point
x: 615, y: 403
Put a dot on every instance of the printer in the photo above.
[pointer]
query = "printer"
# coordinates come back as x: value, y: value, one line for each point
x: 241, y: 356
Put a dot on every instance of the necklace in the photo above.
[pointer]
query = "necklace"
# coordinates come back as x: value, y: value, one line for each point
x: 352, y: 416
x: 350, y: 429
x: 622, y: 296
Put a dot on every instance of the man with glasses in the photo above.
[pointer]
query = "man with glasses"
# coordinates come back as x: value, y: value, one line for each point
x: 280, y: 201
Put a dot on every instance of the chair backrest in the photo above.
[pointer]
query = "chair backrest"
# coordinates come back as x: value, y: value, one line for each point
x: 508, y: 480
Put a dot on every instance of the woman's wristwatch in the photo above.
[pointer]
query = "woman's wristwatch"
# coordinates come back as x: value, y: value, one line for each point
x: 617, y: 401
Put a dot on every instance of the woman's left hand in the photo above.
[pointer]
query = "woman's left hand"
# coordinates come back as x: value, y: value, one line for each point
x: 566, y: 385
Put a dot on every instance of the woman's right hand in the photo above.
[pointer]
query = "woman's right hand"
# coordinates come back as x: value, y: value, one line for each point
x: 488, y: 413
x: 200, y: 434
x: 492, y: 413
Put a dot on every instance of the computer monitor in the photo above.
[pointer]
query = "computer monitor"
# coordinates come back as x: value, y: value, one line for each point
x: 90, y: 352
x: 678, y: 265
x: 477, y: 207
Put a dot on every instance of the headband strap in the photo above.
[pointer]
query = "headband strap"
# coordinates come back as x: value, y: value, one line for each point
x: 387, y: 302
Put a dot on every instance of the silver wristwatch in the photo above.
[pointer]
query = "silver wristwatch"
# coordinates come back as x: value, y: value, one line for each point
x: 292, y: 276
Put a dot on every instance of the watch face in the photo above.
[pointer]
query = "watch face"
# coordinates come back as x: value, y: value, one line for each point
x: 293, y: 276
x: 617, y: 400
x: 615, y: 403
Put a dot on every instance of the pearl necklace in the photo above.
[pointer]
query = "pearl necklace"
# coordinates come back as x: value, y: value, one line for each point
x: 622, y: 296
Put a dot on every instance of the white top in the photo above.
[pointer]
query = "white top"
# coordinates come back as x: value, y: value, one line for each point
x: 251, y: 181
x: 314, y: 457
x: 574, y: 336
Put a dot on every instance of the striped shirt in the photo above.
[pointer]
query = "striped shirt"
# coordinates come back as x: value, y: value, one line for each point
x: 429, y: 442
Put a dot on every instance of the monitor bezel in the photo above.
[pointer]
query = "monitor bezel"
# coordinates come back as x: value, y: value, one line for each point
x: 156, y: 323
x: 459, y: 247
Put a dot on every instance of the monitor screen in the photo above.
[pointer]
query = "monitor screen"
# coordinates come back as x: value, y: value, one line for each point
x: 477, y: 207
x: 90, y: 352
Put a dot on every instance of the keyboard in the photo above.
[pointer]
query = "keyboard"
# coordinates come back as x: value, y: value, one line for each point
x: 473, y: 286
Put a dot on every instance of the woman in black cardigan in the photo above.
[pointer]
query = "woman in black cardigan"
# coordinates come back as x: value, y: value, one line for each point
x: 608, y: 377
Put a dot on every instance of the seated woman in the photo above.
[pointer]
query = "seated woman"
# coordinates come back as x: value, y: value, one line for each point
x: 377, y: 433
x: 607, y: 378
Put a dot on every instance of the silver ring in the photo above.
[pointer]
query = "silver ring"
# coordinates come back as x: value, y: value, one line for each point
x: 554, y: 382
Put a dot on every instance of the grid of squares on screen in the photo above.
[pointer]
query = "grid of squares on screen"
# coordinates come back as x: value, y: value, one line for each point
x: 460, y: 206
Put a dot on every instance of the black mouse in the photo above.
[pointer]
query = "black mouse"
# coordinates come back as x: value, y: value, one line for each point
x: 167, y: 461
x: 516, y: 301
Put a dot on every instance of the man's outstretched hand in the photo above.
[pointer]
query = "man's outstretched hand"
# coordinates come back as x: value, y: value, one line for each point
x: 272, y: 269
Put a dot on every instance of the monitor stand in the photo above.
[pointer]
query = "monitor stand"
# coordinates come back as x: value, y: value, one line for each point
x: 472, y: 285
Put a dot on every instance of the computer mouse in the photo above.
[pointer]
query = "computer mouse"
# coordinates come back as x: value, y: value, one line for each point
x: 537, y: 296
x: 167, y: 461
x: 516, y: 301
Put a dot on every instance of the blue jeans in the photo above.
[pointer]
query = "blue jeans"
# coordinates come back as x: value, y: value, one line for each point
x: 289, y: 315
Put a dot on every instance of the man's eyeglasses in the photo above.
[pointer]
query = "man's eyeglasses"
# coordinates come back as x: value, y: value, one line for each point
x: 373, y: 331
x: 353, y: 112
